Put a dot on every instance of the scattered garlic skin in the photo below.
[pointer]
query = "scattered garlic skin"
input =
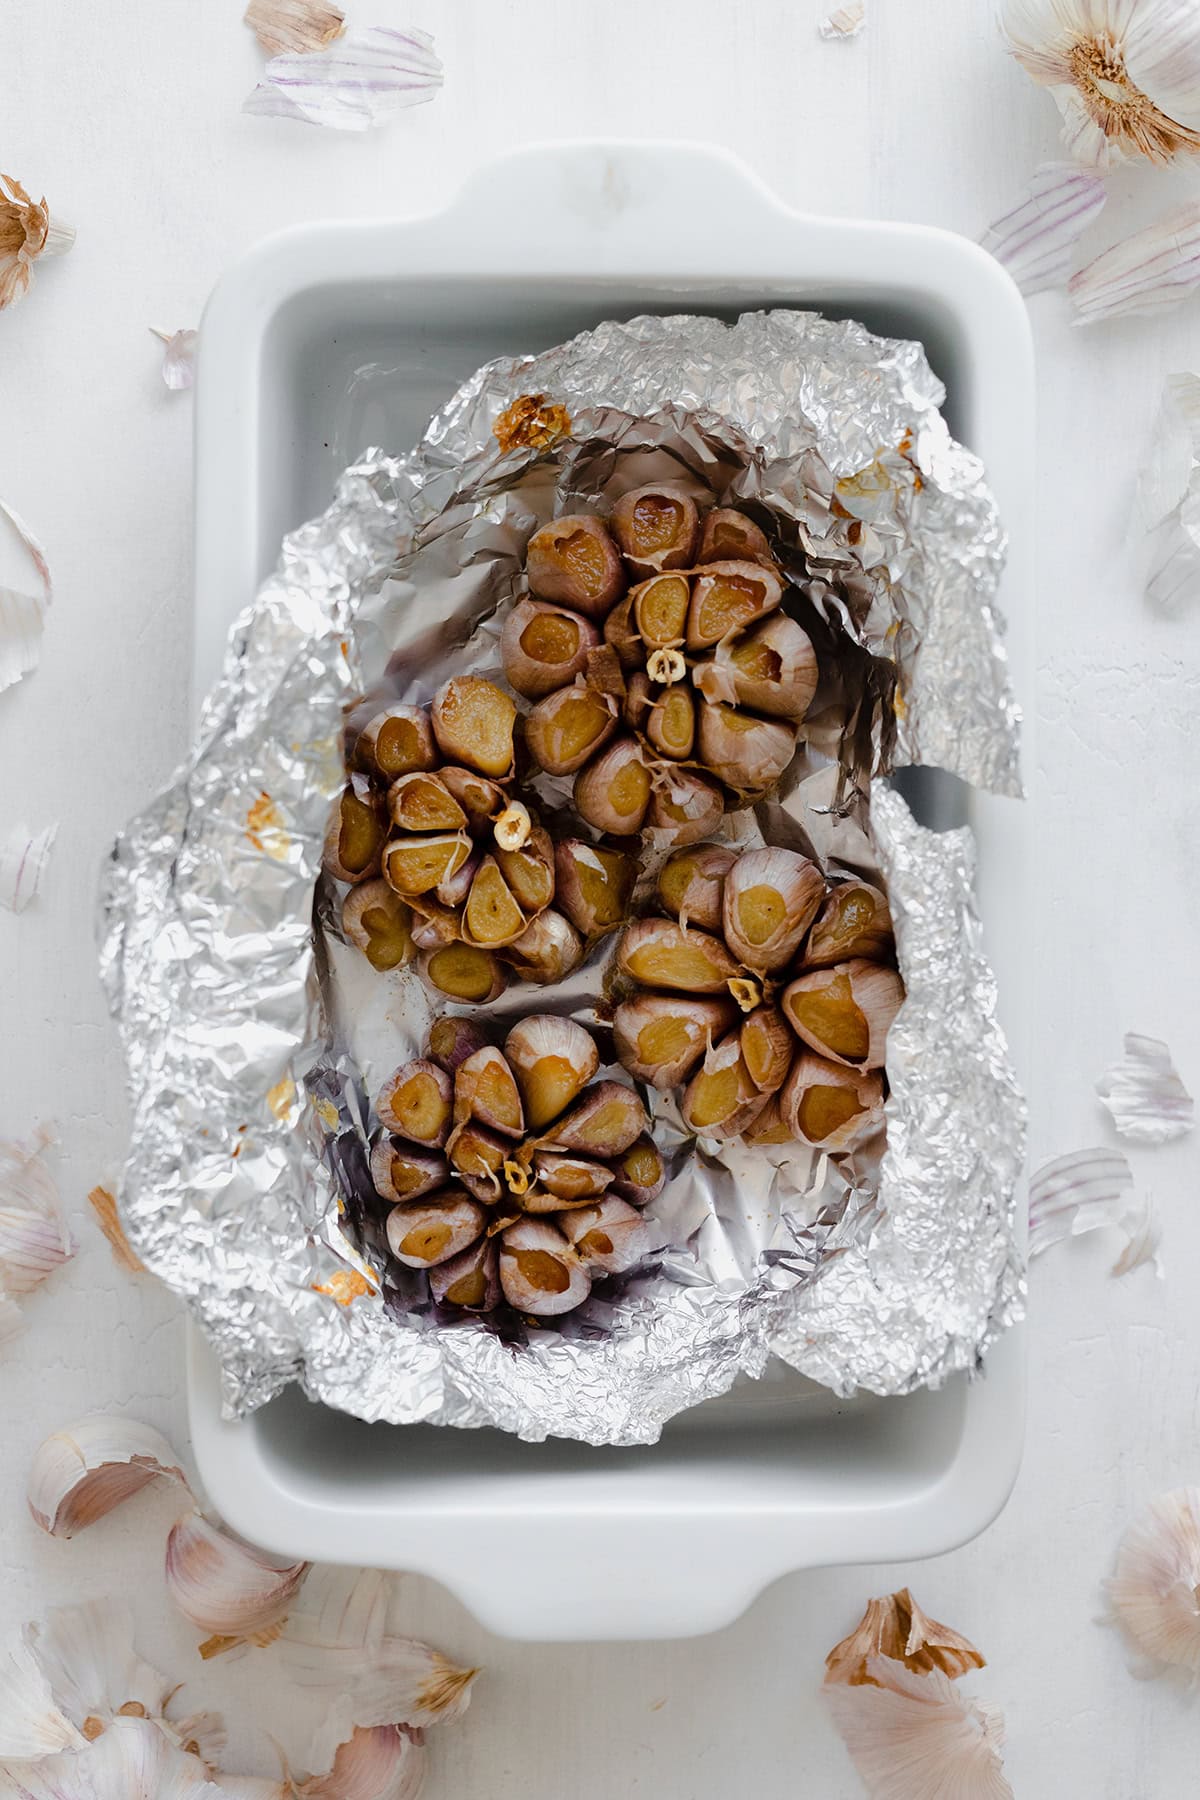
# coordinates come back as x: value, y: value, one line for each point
x: 539, y: 1271
x: 378, y: 1762
x: 1152, y: 1590
x: 896, y: 1627
x: 861, y: 1112
x: 226, y: 1587
x: 423, y: 1233
x: 535, y: 672
x: 854, y: 921
x: 770, y: 899
x: 78, y: 1474
x: 574, y: 562
x: 661, y: 1037
x: 858, y: 1001
x: 610, y: 1237
x: 656, y: 527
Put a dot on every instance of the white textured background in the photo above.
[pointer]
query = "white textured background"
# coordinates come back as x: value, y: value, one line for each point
x: 127, y: 115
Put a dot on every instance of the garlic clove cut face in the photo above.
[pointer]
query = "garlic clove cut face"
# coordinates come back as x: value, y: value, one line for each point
x: 845, y: 1012
x: 609, y: 1238
x: 540, y: 1273
x: 473, y: 722
x: 660, y: 1037
x: 423, y: 1233
x: 553, y: 1060
x: 574, y: 561
x: 770, y: 899
x: 833, y: 1108
x: 659, y: 953
x: 607, y: 1119
x: 416, y: 1103
x: 544, y: 647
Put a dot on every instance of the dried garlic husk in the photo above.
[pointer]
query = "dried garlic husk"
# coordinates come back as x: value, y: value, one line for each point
x: 34, y: 1238
x: 293, y: 25
x: 1146, y: 273
x: 22, y: 616
x: 103, y: 1203
x: 226, y: 1586
x: 1077, y: 1193
x: 1148, y: 1102
x: 27, y: 232
x: 1125, y: 74
x: 82, y: 1472
x: 24, y: 856
x: 1153, y: 1593
x: 362, y: 80
x: 1036, y: 240
x: 895, y: 1627
x: 383, y: 1762
x: 179, y: 357
x: 846, y: 22
x: 913, y: 1736
x: 32, y: 1724
x: 132, y: 1759
x: 88, y: 1657
x: 365, y: 1684
x: 1143, y: 1232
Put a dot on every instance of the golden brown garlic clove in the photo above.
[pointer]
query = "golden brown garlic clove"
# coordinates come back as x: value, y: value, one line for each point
x: 452, y: 1040
x: 656, y: 527
x: 574, y: 561
x: 670, y: 722
x: 574, y: 1180
x: 568, y: 727
x: 463, y: 972
x: 729, y: 536
x: 854, y: 921
x: 831, y: 1107
x: 477, y: 1157
x: 355, y: 836
x: 547, y: 950
x: 639, y: 1173
x: 401, y: 1172
x: 605, y: 1121
x: 659, y: 610
x: 747, y: 753
x: 377, y: 922
x: 610, y: 1237
x: 422, y: 802
x: 661, y: 1037
x: 397, y: 742
x: 416, y: 1103
x: 529, y: 870
x: 721, y: 1099
x: 771, y: 898
x: 767, y: 1047
x: 772, y: 669
x: 492, y: 917
x: 660, y: 953
x: 769, y: 1127
x: 613, y: 792
x: 417, y: 865
x: 485, y: 1089
x: 685, y: 805
x: 845, y: 1012
x: 539, y: 1271
x: 593, y: 885
x: 473, y: 723
x: 553, y: 1060
x: 470, y: 1280
x: 544, y: 647
x: 480, y: 798
x: 692, y: 881
x: 423, y: 1233
x: 728, y: 596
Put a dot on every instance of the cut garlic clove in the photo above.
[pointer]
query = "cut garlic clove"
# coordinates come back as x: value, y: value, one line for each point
x: 685, y: 805
x: 379, y: 923
x: 227, y: 1587
x: 639, y: 1173
x: 574, y: 561
x: 527, y: 864
x: 416, y: 866
x: 692, y: 881
x: 82, y: 1472
x: 606, y: 1121
x: 401, y: 1172
x: 492, y: 917
x: 544, y: 647
x: 770, y: 899
x: 670, y: 724
x: 593, y: 885
x: 613, y: 792
x: 571, y: 1179
x: 547, y: 950
x: 728, y: 596
x: 355, y: 837
x: 729, y: 536
x: 470, y: 1280
x: 380, y: 1762
x: 854, y: 921
x: 480, y: 798
x: 829, y: 1106
x: 569, y: 726
x: 477, y: 1157
x: 396, y: 742
x: 423, y: 1233
x: 553, y: 1060
x: 659, y: 609
x: 463, y: 972
x: 747, y: 753
x: 416, y: 1103
x: 486, y: 1089
x: 657, y: 528
x: 610, y: 1237
x: 452, y: 1040
x: 721, y: 1099
x: 473, y: 723
x: 767, y: 1047
x: 661, y: 1037
x: 422, y: 802
x: 539, y: 1271
x: 660, y: 953
x: 772, y: 669
x: 846, y: 1012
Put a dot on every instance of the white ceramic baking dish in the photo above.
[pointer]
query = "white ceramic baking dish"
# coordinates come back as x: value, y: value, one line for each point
x: 332, y: 337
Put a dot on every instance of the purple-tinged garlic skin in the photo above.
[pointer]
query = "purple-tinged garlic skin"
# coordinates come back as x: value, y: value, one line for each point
x: 82, y: 1471
x: 574, y: 562
x: 423, y: 1233
x: 769, y: 901
x: 402, y: 1172
x: 640, y: 1172
x: 685, y: 804
x: 729, y: 596
x: 397, y: 741
x: 727, y: 535
x: 452, y: 1040
x: 469, y: 1281
x: 539, y: 1271
x: 692, y: 881
x: 613, y: 792
x: 227, y: 1587
x: 416, y: 1103
x: 547, y: 950
x: 854, y: 921
x: 747, y: 753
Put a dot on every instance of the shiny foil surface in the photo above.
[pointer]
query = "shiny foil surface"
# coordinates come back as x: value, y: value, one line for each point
x: 254, y: 1036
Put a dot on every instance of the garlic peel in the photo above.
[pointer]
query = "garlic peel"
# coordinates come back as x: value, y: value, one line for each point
x: 227, y: 1587
x: 34, y: 1238
x: 32, y: 1724
x: 179, y: 357
x: 897, y: 1628
x: 912, y: 1736
x: 361, y: 81
x: 400, y: 1682
x: 1153, y: 1590
x: 1148, y: 1102
x: 22, y: 616
x: 103, y: 1203
x: 385, y: 1762
x: 1146, y: 273
x: 293, y: 25
x: 24, y: 856
x: 1143, y: 1234
x: 80, y: 1473
x: 1077, y: 1193
x: 846, y: 22
x: 1036, y: 240
x: 27, y: 232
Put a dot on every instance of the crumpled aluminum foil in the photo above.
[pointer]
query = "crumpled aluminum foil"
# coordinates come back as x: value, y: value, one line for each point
x: 253, y: 1037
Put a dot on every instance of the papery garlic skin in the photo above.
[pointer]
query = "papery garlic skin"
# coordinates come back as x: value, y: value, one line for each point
x: 34, y: 1237
x: 80, y: 1473
x: 227, y: 1587
x: 32, y: 1723
x: 385, y: 1762
x: 88, y: 1657
x: 27, y: 232
x: 1153, y: 1593
x: 1125, y: 74
x: 1148, y: 1102
x: 914, y: 1736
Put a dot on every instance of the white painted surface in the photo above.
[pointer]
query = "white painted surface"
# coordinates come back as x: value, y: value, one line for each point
x: 128, y: 117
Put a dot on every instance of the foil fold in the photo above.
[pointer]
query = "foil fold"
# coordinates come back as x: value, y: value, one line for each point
x: 253, y: 1040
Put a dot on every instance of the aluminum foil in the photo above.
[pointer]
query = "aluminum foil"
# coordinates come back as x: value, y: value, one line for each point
x: 254, y: 1037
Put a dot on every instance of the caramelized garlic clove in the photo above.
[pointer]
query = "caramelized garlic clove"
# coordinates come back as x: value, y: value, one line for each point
x: 854, y: 921
x: 470, y: 1280
x: 772, y: 669
x: 770, y: 899
x: 571, y: 1179
x: 423, y: 1233
x: 660, y: 953
x: 728, y: 596
x: 845, y: 1012
x: 729, y: 536
x: 422, y: 802
x: 768, y: 1047
x: 492, y: 917
x: 355, y: 836
x: 671, y: 723
x: 539, y: 1271
x: 547, y: 950
x: 397, y: 742
x: 829, y: 1106
x: 656, y: 527
x: 604, y: 1122
x: 477, y: 1158
x: 553, y: 1060
x: 659, y: 610
x: 568, y: 727
x: 226, y: 1587
x: 416, y: 1103
x: 82, y: 1472
x: 379, y: 923
x: 473, y: 723
x: 401, y: 1172
x: 593, y: 885
x: 613, y: 791
x: 686, y: 806
x: 692, y: 881
x: 574, y: 562
x: 721, y: 1099
x: 417, y: 865
x: 660, y: 1037
x: 486, y: 1089
x: 747, y: 753
x: 609, y: 1238
x: 463, y: 972
x: 639, y: 1173
x: 528, y: 870
x: 544, y: 647
x: 480, y: 797
x: 770, y: 1127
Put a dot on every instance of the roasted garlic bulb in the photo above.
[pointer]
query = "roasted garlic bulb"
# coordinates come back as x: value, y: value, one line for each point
x: 513, y: 1174
x: 765, y: 994
x: 665, y: 676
